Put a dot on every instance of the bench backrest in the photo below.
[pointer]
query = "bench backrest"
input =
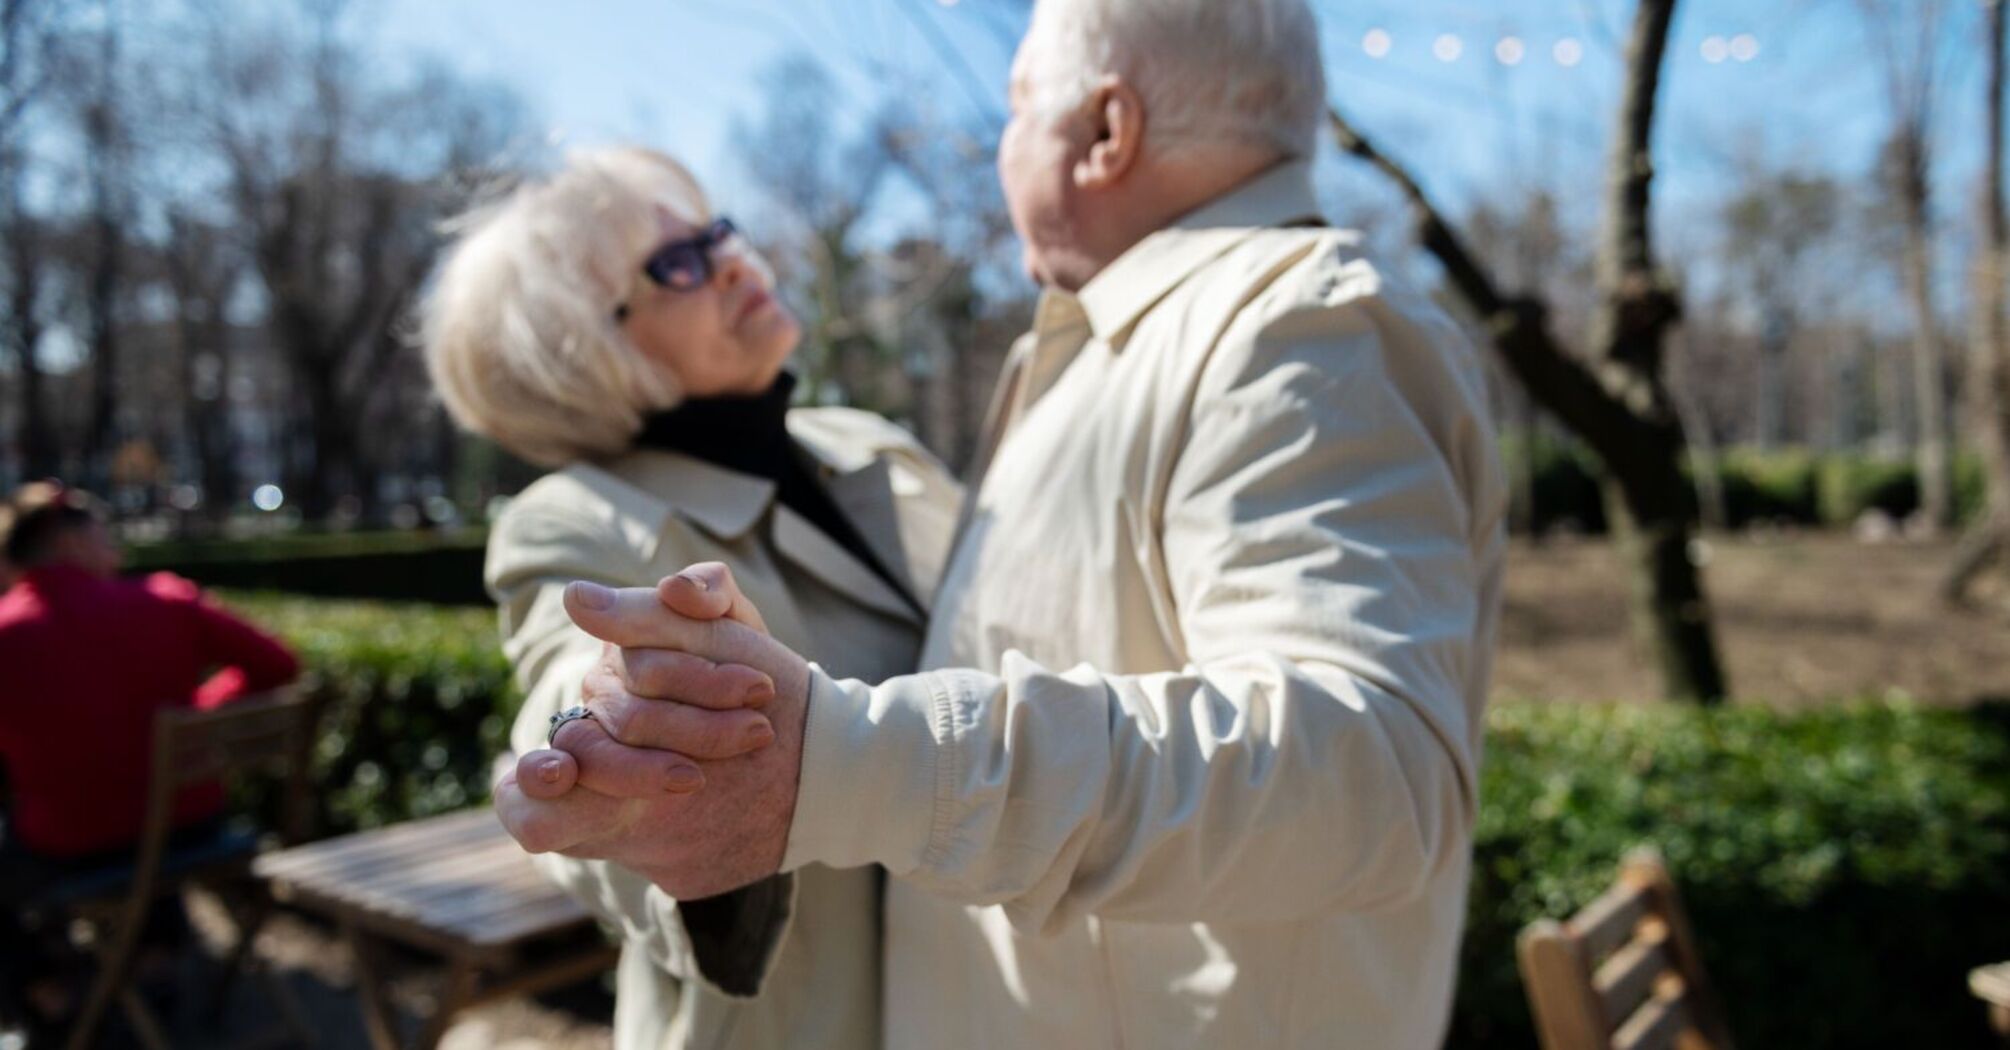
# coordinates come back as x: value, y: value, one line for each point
x: 1623, y: 973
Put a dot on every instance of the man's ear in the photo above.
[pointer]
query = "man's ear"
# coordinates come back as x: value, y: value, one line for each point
x: 1116, y: 115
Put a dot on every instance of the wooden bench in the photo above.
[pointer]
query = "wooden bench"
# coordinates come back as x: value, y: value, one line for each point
x: 1623, y: 973
x: 455, y: 887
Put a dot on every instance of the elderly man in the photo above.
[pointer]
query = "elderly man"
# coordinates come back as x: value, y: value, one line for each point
x: 1191, y: 760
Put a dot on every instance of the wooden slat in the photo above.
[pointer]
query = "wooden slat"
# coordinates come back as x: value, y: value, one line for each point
x: 1625, y: 979
x: 355, y: 856
x: 440, y: 900
x: 1654, y: 1026
x: 413, y: 872
x: 1558, y: 981
x: 1608, y: 922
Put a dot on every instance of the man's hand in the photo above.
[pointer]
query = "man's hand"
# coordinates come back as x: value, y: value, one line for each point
x: 672, y: 678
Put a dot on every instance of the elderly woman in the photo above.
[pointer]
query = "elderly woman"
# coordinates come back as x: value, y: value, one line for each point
x: 605, y: 323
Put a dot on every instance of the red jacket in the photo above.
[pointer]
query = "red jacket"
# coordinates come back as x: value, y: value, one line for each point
x: 84, y: 664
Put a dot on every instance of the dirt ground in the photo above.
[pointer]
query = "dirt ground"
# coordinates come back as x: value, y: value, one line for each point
x: 1801, y: 618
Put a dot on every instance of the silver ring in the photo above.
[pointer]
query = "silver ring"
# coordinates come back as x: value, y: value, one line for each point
x: 570, y: 714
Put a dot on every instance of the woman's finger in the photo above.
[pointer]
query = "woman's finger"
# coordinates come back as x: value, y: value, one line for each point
x: 546, y: 773
x: 609, y: 767
x: 707, y: 591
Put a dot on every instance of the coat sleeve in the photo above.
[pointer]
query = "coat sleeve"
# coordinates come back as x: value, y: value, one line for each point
x: 729, y: 942
x: 1325, y: 547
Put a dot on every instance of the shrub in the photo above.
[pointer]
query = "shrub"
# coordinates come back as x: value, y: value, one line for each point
x: 441, y: 568
x: 1843, y: 869
x: 1768, y: 487
x: 416, y: 700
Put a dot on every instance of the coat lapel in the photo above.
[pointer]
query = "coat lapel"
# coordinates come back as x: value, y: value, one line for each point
x: 820, y: 556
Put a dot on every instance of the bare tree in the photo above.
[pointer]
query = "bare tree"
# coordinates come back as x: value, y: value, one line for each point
x: 202, y: 268
x: 1771, y: 228
x: 27, y: 30
x: 1989, y: 345
x: 1905, y: 38
x: 825, y: 188
x: 1617, y: 400
x: 337, y: 183
x: 109, y: 169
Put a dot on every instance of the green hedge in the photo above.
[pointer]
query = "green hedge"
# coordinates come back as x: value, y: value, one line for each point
x: 443, y: 568
x: 1844, y: 869
x: 1788, y: 486
x: 416, y: 700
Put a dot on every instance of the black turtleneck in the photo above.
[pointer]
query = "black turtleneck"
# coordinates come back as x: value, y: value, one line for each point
x: 749, y: 434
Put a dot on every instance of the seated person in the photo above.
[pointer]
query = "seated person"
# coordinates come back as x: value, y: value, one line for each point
x: 89, y: 659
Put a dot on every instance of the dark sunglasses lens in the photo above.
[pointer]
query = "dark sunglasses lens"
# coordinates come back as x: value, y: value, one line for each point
x: 680, y: 266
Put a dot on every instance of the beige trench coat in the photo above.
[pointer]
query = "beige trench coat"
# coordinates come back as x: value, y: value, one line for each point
x: 810, y: 940
x: 1193, y: 759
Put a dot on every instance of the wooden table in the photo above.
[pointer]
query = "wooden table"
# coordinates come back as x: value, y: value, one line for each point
x: 456, y: 887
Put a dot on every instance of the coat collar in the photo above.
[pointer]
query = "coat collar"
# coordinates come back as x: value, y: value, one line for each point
x: 647, y: 487
x: 1115, y: 298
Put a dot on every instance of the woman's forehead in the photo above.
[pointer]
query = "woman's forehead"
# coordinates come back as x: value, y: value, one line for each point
x: 677, y: 219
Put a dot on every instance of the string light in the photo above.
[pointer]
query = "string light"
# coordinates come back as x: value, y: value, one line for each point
x: 1377, y: 43
x: 1448, y: 48
x: 1715, y: 49
x: 1568, y: 52
x: 1510, y: 51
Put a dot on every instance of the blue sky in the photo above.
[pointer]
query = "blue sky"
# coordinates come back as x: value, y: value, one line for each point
x: 1792, y: 83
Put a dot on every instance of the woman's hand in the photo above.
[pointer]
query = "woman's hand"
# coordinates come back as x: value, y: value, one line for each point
x: 696, y: 709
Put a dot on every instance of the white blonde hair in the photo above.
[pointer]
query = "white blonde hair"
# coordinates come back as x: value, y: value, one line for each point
x: 518, y: 322
x: 1242, y: 71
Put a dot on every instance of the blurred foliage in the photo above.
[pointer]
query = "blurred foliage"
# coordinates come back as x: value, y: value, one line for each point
x: 1843, y: 869
x: 416, y: 700
x: 1789, y: 486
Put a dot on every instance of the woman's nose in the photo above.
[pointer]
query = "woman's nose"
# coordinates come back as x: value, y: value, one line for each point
x: 730, y: 264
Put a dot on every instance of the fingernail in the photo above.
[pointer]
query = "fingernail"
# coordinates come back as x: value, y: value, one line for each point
x: 684, y: 779
x: 759, y: 693
x: 547, y: 770
x: 702, y: 586
x: 592, y: 595
x: 759, y: 734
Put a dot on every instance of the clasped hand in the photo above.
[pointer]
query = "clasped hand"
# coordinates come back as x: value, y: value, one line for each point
x: 687, y: 770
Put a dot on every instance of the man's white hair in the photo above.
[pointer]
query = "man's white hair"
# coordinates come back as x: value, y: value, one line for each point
x: 518, y: 324
x: 1244, y: 71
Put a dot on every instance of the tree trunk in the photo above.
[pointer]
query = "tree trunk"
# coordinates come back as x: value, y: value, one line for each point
x: 1929, y: 387
x: 1989, y: 345
x: 24, y: 333
x: 1617, y: 404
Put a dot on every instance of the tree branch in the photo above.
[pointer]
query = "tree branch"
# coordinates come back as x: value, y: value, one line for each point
x: 1518, y: 326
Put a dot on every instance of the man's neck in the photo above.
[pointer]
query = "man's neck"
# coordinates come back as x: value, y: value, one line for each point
x: 1166, y: 189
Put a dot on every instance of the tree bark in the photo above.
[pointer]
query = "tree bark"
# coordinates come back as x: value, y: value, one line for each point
x: 1989, y: 345
x: 1929, y: 384
x: 1616, y: 402
x: 106, y: 162
x: 24, y: 330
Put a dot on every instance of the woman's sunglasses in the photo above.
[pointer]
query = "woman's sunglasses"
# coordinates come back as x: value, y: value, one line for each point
x: 686, y: 265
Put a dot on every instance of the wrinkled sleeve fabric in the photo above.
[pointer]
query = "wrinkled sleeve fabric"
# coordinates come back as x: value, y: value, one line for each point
x: 1313, y: 755
x: 728, y: 943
